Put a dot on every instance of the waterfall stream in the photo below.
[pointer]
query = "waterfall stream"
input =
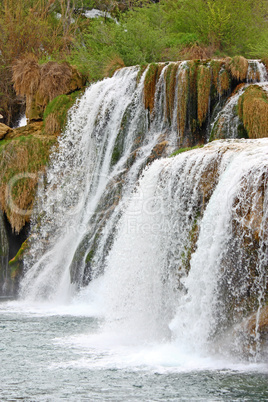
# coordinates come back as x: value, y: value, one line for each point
x: 157, y: 247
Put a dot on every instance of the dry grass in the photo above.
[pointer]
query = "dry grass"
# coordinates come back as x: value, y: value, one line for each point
x: 26, y: 75
x: 160, y: 69
x: 183, y: 84
x: 41, y: 84
x: 196, y: 52
x: 215, y: 66
x: 203, y: 92
x: 21, y: 161
x: 113, y: 65
x: 52, y: 125
x: 55, y: 79
x: 223, y: 82
x: 238, y: 67
x: 253, y: 111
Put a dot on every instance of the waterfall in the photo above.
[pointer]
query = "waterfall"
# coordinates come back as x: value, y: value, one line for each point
x: 149, y: 290
x: 84, y: 172
x: 164, y: 243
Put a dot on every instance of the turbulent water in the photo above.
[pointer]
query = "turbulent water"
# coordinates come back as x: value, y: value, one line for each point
x: 58, y: 355
x: 137, y: 278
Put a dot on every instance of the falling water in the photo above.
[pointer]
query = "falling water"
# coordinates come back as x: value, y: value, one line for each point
x: 82, y: 177
x: 149, y: 290
x: 153, y: 241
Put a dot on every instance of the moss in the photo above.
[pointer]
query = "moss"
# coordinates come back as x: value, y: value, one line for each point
x: 16, y: 264
x: 89, y: 257
x: 21, y: 160
x: 55, y: 114
x: 122, y: 134
x: 214, y: 131
x: 238, y: 67
x: 171, y: 73
x: 253, y: 111
x: 159, y: 70
x: 183, y: 90
x: 215, y: 66
x: 241, y: 131
x: 203, y: 93
x: 115, y: 155
x: 115, y: 63
x: 192, y: 102
x: 149, y: 87
x: 141, y: 71
x: 224, y: 82
x: 191, y: 244
x: 181, y: 150
x: 265, y: 62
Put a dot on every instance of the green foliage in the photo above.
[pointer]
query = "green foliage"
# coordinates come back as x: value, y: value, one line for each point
x: 16, y: 264
x: 181, y: 150
x: 147, y: 32
x: 56, y: 111
x: 232, y: 26
x: 138, y: 39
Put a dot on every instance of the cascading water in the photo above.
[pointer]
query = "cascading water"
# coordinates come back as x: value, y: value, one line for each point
x: 149, y: 290
x: 84, y: 174
x: 156, y: 242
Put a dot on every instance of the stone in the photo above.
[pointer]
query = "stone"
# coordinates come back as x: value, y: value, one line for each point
x: 4, y: 130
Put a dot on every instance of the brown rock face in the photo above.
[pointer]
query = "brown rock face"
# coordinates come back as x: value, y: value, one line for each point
x: 4, y: 130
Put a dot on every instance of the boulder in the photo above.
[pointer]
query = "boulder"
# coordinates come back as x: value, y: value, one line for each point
x: 4, y: 130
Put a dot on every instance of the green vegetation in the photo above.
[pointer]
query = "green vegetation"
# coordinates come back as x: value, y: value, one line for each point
x: 55, y: 114
x: 140, y: 32
x: 21, y: 161
x: 181, y: 150
x: 16, y: 264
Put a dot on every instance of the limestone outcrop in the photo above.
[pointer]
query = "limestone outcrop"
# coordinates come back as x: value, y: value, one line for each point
x: 42, y: 83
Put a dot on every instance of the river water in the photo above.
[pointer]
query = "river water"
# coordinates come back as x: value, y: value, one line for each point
x: 60, y: 353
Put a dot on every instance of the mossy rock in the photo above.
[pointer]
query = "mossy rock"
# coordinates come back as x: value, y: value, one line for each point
x: 141, y: 71
x: 183, y: 95
x: 149, y: 86
x: 16, y: 264
x: 181, y: 150
x: 171, y: 73
x: 55, y: 114
x: 22, y: 159
x: 253, y: 111
x: 203, y: 93
x: 238, y: 67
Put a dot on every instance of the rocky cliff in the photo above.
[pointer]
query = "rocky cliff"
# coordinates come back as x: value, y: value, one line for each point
x: 197, y: 94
